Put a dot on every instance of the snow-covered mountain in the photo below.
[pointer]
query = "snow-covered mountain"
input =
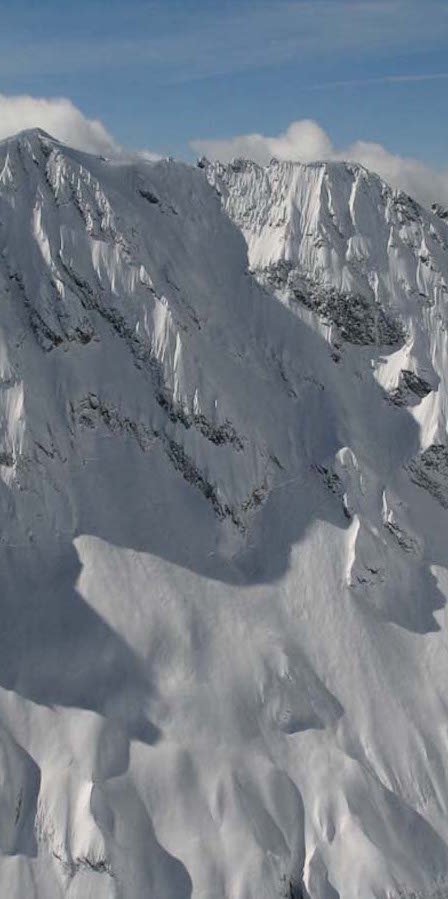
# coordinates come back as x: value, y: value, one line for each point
x: 224, y: 543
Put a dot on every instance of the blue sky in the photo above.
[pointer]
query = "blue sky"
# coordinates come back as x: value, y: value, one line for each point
x: 159, y: 74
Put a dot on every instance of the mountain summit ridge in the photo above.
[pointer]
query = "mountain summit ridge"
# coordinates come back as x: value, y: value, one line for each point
x: 223, y: 495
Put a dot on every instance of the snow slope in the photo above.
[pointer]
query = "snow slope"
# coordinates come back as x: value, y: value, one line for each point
x: 223, y: 495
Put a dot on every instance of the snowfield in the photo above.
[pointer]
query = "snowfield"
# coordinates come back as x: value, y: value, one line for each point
x: 223, y: 532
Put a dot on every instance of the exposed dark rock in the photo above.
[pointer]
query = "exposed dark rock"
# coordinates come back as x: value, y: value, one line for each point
x: 430, y: 471
x: 154, y: 200
x: 144, y: 358
x: 296, y: 890
x: 331, y: 479
x: 407, y: 209
x: 217, y: 434
x: 192, y: 474
x: 413, y: 382
x: 51, y: 336
x: 411, y: 389
x: 46, y: 337
x: 149, y: 196
x: 91, y: 411
x: 72, y: 866
x: 404, y: 540
x: 440, y: 210
x: 359, y: 320
x: 101, y: 866
x: 256, y: 498
x: 6, y: 458
x: 334, y: 484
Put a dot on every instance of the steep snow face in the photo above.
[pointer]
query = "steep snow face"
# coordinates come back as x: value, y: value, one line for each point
x: 223, y: 495
x: 368, y: 260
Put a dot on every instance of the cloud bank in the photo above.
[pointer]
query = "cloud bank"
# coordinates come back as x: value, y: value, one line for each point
x: 306, y: 141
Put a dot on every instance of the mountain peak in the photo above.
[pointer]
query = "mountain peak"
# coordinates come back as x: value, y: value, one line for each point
x: 31, y: 135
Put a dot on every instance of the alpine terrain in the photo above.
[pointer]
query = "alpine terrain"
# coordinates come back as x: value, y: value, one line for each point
x: 223, y: 531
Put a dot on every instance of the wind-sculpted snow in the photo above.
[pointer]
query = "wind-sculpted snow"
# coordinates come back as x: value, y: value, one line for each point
x: 223, y: 491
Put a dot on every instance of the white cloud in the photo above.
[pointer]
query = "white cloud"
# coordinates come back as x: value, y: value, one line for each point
x: 64, y: 121
x: 306, y: 141
x: 60, y: 118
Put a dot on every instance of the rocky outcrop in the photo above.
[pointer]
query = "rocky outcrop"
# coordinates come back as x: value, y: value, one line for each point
x: 412, y: 388
x: 91, y: 411
x: 430, y: 472
x: 358, y: 320
x: 440, y: 211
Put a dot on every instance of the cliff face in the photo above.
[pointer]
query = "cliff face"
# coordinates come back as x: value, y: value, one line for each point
x: 223, y: 494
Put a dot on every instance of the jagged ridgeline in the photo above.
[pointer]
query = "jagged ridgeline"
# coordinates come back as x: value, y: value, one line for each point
x: 223, y: 531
